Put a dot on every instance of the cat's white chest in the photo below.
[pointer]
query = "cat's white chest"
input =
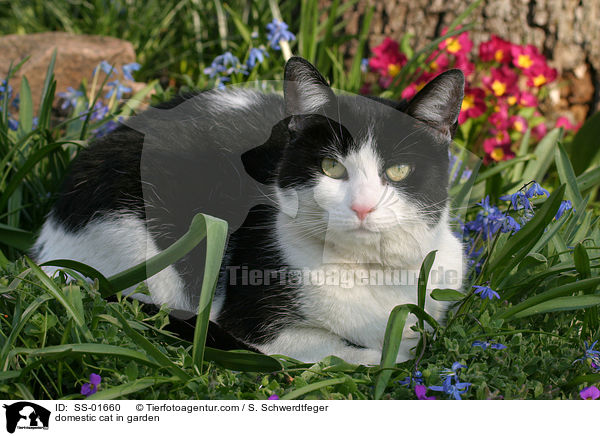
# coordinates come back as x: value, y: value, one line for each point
x: 359, y: 313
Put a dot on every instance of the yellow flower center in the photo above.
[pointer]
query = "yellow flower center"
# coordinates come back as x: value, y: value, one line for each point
x: 519, y: 127
x: 498, y: 87
x: 497, y: 154
x: 511, y: 100
x: 468, y: 102
x: 499, y: 55
x: 434, y: 65
x: 453, y: 45
x: 393, y: 70
x: 539, y: 80
x: 524, y: 61
x: 500, y: 136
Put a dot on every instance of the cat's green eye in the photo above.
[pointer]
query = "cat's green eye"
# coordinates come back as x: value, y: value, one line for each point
x: 333, y: 168
x: 398, y: 172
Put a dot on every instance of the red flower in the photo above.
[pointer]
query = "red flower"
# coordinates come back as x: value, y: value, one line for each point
x: 388, y: 59
x: 473, y: 104
x: 496, y: 49
x: 457, y: 45
x: 503, y: 81
x: 498, y: 147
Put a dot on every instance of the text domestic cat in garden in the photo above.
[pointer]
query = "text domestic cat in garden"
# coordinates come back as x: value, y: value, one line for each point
x: 333, y: 201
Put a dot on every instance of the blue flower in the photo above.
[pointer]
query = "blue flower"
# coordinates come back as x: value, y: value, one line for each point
x: 453, y: 390
x: 488, y: 221
x: 117, y: 88
x: 69, y: 97
x: 364, y: 65
x: 226, y: 64
x: 509, y: 224
x: 486, y: 292
x: 5, y: 89
x: 99, y: 112
x: 452, y: 372
x: 416, y: 378
x: 486, y: 344
x: 565, y: 205
x: 129, y: 68
x: 13, y: 124
x: 106, y: 67
x: 536, y: 190
x: 278, y: 31
x: 590, y: 355
x: 15, y: 103
x: 519, y: 200
x: 256, y: 55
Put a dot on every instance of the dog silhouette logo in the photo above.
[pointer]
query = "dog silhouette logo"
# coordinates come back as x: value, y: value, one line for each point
x: 26, y: 415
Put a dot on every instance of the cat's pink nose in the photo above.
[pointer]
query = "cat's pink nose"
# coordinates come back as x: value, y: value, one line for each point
x: 362, y: 210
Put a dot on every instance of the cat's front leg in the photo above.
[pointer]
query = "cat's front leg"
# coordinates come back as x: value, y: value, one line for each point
x: 310, y: 344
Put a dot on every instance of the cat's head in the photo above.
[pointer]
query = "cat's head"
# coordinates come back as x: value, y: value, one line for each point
x: 360, y: 168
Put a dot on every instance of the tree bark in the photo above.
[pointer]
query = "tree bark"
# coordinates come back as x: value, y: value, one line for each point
x: 566, y: 31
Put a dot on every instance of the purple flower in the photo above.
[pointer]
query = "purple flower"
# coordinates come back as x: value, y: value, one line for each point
x: 590, y: 393
x: 420, y: 391
x: 486, y: 292
x: 130, y: 68
x: 565, y: 205
x: 273, y: 397
x: 256, y: 56
x: 13, y: 124
x: 278, y: 31
x: 92, y: 387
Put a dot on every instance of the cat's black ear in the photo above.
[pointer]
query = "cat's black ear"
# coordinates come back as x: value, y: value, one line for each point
x: 305, y: 90
x: 438, y: 103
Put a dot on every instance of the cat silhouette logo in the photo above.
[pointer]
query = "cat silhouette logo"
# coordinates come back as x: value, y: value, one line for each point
x: 26, y: 415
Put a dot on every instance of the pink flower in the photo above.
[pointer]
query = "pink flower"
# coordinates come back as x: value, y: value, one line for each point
x: 457, y: 45
x: 526, y: 57
x: 518, y: 123
x: 496, y: 49
x: 590, y: 393
x: 540, y: 75
x: 527, y: 99
x: 438, y: 61
x: 566, y: 124
x: 462, y: 63
x: 420, y: 391
x: 388, y: 59
x: 539, y: 131
x: 503, y: 81
x: 498, y: 146
x: 473, y: 104
x: 499, y: 118
x: 411, y: 90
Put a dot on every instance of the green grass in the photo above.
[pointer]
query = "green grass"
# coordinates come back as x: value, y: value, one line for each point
x: 54, y: 334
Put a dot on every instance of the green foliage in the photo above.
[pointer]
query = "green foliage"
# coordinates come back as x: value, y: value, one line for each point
x: 54, y: 334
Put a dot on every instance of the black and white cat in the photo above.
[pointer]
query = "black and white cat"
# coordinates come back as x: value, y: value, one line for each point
x: 330, y: 200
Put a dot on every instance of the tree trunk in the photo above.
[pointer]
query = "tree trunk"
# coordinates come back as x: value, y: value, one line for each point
x: 566, y: 31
